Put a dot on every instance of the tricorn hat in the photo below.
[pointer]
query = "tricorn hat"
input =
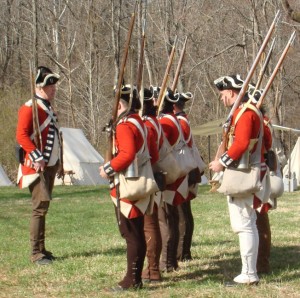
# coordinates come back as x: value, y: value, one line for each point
x: 184, y: 97
x: 125, y: 94
x: 45, y: 77
x: 252, y: 94
x: 169, y: 96
x: 229, y: 82
x: 148, y: 95
x: 155, y: 91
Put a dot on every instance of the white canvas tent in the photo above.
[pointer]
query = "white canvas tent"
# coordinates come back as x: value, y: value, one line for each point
x: 81, y: 160
x: 4, y: 180
x: 292, y: 169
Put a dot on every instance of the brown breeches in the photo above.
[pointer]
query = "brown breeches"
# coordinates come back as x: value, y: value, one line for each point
x: 264, y: 248
x: 154, y: 245
x: 132, y: 230
x: 40, y: 206
x: 186, y: 229
x: 168, y: 222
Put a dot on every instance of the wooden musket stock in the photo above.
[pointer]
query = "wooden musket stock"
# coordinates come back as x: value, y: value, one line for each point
x: 37, y: 139
x: 166, y: 77
x: 265, y: 65
x: 177, y: 73
x: 109, y: 129
x: 242, y: 92
x: 279, y: 63
x: 119, y: 87
x: 139, y: 76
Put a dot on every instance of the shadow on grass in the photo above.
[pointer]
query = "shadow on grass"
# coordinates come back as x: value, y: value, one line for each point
x: 285, y: 266
x: 116, y: 251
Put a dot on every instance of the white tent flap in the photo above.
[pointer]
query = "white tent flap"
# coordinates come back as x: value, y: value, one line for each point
x: 81, y: 160
x: 4, y: 180
x: 293, y: 164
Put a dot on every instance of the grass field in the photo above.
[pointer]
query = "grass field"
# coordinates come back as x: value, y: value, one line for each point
x: 83, y: 234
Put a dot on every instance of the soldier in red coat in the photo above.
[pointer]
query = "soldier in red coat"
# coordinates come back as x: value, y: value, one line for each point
x: 128, y: 142
x: 245, y: 127
x: 262, y: 221
x: 151, y: 224
x: 43, y: 159
x: 175, y: 193
x: 186, y: 219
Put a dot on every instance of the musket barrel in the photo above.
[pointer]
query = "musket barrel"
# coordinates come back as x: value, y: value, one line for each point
x: 122, y: 69
x: 266, y: 63
x: 174, y: 85
x: 278, y: 65
x: 166, y: 76
x: 141, y: 60
x: 251, y: 71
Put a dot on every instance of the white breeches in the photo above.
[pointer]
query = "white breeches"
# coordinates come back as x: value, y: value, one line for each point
x: 243, y: 223
x: 242, y: 215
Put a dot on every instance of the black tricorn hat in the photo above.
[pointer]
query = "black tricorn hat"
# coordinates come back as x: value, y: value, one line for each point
x: 184, y: 97
x: 253, y: 94
x: 148, y: 95
x: 126, y: 92
x: 155, y: 91
x: 45, y: 77
x: 232, y: 82
x: 169, y: 96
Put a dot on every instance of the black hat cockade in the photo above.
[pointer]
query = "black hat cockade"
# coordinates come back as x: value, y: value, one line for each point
x: 183, y: 97
x: 252, y: 94
x: 45, y: 77
x: 126, y: 92
x: 232, y: 82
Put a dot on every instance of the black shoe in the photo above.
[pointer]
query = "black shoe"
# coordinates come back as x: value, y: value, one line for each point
x: 49, y: 255
x: 186, y: 258
x: 169, y: 269
x: 119, y: 288
x: 43, y: 261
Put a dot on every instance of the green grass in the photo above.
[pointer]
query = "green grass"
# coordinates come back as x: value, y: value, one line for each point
x: 82, y: 232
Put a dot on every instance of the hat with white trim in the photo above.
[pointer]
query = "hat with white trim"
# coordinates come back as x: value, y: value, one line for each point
x: 45, y: 77
x: 232, y: 82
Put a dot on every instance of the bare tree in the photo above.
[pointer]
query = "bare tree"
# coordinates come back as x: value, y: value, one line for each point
x: 294, y: 15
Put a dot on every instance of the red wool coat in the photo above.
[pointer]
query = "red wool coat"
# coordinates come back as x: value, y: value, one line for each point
x: 187, y: 134
x: 24, y: 138
x: 247, y: 128
x: 177, y: 192
x: 128, y: 141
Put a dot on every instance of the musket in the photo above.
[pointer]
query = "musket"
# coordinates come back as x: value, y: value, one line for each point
x: 180, y: 62
x: 37, y: 136
x: 242, y: 92
x: 274, y: 73
x: 61, y: 171
x: 166, y: 77
x: 139, y: 75
x: 119, y: 86
x: 265, y: 65
x: 109, y: 129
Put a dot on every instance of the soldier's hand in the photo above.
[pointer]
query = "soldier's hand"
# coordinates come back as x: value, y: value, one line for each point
x: 216, y: 166
x: 102, y: 172
x: 39, y: 166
